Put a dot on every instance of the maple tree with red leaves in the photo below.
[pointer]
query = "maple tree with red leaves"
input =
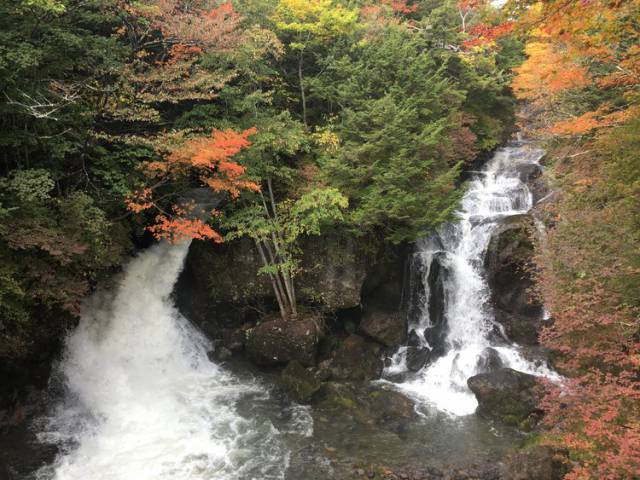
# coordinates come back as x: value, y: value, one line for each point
x: 207, y: 158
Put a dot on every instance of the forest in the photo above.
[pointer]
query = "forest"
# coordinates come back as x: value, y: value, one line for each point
x: 271, y: 123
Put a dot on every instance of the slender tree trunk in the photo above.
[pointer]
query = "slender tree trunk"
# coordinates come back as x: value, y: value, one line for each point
x: 302, y: 93
x: 279, y: 277
x: 283, y: 311
x: 288, y: 279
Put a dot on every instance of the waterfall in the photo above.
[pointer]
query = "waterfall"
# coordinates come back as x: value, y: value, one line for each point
x: 141, y: 399
x: 459, y: 327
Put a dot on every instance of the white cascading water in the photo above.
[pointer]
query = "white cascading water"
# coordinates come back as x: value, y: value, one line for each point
x: 493, y: 195
x: 142, y: 400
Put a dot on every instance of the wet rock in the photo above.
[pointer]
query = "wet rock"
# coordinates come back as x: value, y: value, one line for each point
x: 219, y: 354
x: 281, y: 341
x: 387, y: 327
x: 299, y: 382
x: 536, y: 463
x: 539, y: 356
x: 417, y: 358
x: 489, y: 361
x: 356, y: 359
x: 413, y: 340
x: 506, y: 395
x: 383, y: 286
x: 507, y: 264
x: 437, y: 333
x: 336, y: 395
x: 333, y: 272
x: 521, y: 329
x: 388, y: 404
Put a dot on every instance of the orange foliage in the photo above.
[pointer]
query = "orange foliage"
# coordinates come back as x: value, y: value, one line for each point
x: 192, y: 23
x: 547, y: 72
x: 590, y: 43
x: 483, y: 34
x: 400, y: 6
x: 210, y: 159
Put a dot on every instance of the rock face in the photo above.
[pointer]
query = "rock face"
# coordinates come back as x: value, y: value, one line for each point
x: 356, y: 360
x: 434, y: 283
x: 387, y: 327
x: 508, y: 256
x: 536, y: 463
x: 334, y: 269
x: 436, y: 334
x: 506, y: 395
x: 277, y: 341
x: 220, y: 286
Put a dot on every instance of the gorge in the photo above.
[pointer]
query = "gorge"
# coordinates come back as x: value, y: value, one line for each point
x: 319, y: 240
x: 143, y: 395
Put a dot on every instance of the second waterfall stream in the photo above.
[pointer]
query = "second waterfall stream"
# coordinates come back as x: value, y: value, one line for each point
x: 494, y: 195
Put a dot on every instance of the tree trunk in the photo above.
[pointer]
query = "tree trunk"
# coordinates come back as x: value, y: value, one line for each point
x: 302, y: 94
x: 281, y: 305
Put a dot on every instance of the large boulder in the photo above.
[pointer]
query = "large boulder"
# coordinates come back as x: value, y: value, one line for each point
x: 356, y: 359
x: 387, y: 327
x: 536, y: 463
x: 390, y: 405
x: 507, y: 395
x: 280, y: 341
x: 220, y: 288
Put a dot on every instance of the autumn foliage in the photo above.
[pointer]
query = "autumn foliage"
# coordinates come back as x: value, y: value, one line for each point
x: 581, y: 48
x: 209, y: 160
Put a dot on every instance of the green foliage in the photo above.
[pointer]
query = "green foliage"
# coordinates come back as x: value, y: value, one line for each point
x: 396, y: 103
x: 360, y: 120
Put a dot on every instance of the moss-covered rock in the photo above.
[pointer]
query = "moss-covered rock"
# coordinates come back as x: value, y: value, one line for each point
x: 337, y: 395
x: 299, y: 382
x: 508, y: 265
x: 278, y: 341
x: 390, y: 405
x: 507, y: 395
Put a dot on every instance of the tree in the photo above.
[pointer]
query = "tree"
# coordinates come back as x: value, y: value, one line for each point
x: 587, y: 47
x: 309, y: 23
x: 397, y: 106
x: 276, y: 228
x: 209, y: 160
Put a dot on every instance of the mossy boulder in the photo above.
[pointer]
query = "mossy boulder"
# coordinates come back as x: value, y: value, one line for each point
x: 337, y: 395
x: 278, y: 341
x: 390, y: 405
x: 508, y: 396
x: 299, y: 382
